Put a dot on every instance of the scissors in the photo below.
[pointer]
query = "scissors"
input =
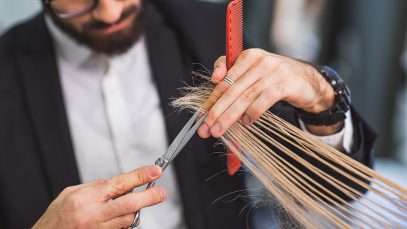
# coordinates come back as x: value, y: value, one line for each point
x: 173, y: 150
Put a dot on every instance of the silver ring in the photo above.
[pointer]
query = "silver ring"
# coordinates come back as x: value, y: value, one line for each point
x: 228, y: 80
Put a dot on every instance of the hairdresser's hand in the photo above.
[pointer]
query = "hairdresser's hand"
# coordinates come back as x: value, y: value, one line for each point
x: 260, y: 80
x: 93, y: 205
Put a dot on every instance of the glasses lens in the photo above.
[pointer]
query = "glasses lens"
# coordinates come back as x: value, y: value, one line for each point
x: 71, y: 8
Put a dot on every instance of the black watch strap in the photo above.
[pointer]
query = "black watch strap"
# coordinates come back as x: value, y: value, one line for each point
x: 342, y: 101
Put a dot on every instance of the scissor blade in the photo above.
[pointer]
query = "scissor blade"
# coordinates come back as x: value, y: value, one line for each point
x: 175, y: 143
x: 190, y: 134
x: 183, y: 137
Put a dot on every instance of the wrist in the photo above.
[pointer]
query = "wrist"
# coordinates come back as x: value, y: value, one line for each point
x: 334, y: 101
x: 326, y: 95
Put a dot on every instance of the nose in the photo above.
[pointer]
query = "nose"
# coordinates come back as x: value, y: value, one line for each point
x: 109, y: 11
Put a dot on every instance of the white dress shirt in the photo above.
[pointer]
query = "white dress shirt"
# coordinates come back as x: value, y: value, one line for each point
x: 115, y: 118
x: 116, y: 122
x: 342, y: 141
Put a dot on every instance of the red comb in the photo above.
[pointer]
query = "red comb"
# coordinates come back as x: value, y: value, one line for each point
x: 234, y: 31
x: 234, y: 46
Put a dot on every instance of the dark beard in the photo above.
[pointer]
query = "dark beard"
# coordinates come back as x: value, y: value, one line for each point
x: 112, y: 44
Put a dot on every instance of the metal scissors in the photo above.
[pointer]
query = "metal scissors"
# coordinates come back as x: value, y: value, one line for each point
x: 173, y: 150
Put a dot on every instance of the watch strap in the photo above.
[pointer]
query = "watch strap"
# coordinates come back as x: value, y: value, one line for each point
x: 342, y: 101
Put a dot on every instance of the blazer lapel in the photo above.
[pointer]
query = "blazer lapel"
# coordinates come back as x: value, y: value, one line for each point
x: 45, y: 106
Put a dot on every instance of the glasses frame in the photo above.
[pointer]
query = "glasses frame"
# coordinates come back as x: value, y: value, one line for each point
x: 48, y: 4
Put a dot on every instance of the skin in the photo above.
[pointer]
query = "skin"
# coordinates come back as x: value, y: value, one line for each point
x: 109, y: 12
x: 99, y: 204
x: 262, y: 79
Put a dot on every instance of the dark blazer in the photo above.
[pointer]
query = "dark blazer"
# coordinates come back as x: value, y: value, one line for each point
x: 36, y: 155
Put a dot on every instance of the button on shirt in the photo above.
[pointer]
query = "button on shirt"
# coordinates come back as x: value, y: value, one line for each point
x: 115, y: 118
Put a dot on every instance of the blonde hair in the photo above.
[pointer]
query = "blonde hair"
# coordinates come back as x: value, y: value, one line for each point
x: 274, y: 151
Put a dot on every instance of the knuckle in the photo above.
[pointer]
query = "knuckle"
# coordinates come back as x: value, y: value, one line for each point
x: 272, y: 93
x: 246, y: 54
x: 141, y: 176
x: 100, y: 181
x: 250, y: 53
x: 128, y: 205
x: 255, y: 111
x: 155, y: 196
x: 67, y: 190
x: 251, y: 93
x: 283, y: 69
x: 212, y: 116
x: 113, y: 206
x: 230, y: 92
x: 227, y: 119
x: 74, y: 201
x: 266, y: 60
x: 232, y: 73
x: 119, y: 183
x: 220, y: 60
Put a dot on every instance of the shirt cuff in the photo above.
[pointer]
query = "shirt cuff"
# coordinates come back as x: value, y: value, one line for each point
x: 342, y: 141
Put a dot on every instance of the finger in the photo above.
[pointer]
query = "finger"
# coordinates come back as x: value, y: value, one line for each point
x: 243, y: 63
x: 133, y: 202
x: 121, y: 184
x: 220, y: 70
x: 233, y: 113
x: 203, y: 130
x: 265, y: 100
x: 242, y: 86
x: 119, y: 222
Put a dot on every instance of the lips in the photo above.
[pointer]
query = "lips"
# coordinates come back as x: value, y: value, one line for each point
x: 116, y: 27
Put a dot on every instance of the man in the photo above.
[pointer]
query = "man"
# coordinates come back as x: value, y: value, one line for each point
x: 84, y: 92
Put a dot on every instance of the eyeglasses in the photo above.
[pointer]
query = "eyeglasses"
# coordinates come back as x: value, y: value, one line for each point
x: 66, y: 9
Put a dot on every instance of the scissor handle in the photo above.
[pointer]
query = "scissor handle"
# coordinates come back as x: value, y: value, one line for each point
x: 163, y: 164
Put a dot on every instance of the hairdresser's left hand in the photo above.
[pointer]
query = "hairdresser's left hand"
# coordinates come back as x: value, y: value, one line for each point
x: 261, y: 79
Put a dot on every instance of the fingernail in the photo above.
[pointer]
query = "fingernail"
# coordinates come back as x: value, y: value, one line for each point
x: 204, y: 130
x: 153, y: 171
x: 246, y: 119
x: 163, y: 194
x: 216, y: 128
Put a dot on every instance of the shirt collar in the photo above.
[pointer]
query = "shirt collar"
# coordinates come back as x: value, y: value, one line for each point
x: 68, y: 48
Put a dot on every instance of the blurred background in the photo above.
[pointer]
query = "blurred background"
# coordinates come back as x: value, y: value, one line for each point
x: 364, y: 40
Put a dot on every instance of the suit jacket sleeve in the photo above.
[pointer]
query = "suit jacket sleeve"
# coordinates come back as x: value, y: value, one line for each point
x: 203, y: 36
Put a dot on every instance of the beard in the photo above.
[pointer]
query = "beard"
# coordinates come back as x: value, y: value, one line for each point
x: 112, y: 44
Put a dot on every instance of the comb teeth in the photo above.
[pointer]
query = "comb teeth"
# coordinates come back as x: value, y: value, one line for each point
x: 234, y: 31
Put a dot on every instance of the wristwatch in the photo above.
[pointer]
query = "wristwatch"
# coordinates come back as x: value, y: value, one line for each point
x: 342, y: 101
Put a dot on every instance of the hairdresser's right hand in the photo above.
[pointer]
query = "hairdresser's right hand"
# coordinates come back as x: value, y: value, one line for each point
x: 99, y: 204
